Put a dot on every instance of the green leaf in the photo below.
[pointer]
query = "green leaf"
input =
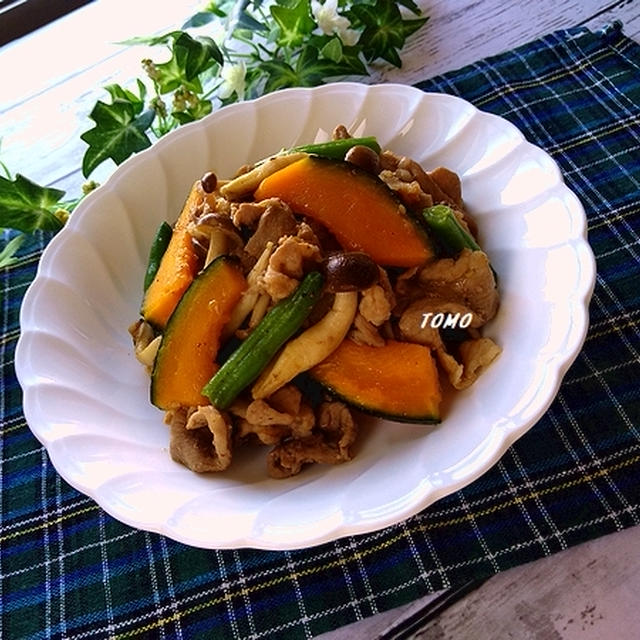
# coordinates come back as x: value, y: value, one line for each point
x: 27, y: 206
x: 164, y: 38
x: 279, y: 75
x: 412, y: 6
x: 118, y: 93
x: 310, y: 70
x: 332, y: 48
x: 351, y: 57
x: 199, y: 19
x: 313, y: 69
x: 189, y: 58
x: 119, y: 132
x: 7, y: 255
x: 385, y: 30
x: 411, y: 26
x: 247, y: 22
x: 294, y: 22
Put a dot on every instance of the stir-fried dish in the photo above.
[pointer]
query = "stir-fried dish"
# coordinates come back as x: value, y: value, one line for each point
x: 325, y: 281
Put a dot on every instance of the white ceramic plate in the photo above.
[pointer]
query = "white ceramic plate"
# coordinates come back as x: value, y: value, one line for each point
x: 86, y: 397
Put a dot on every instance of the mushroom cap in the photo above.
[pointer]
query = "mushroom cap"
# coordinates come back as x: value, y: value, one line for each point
x: 349, y: 271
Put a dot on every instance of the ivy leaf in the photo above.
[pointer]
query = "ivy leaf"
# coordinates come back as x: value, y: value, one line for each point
x: 189, y: 58
x: 412, y: 6
x: 294, y: 21
x: 199, y: 19
x: 411, y: 26
x: 119, y: 131
x: 332, y: 48
x: 246, y: 22
x: 280, y: 75
x: 202, y: 55
x: 152, y: 41
x: 7, y: 255
x: 314, y: 69
x: 118, y: 93
x: 27, y: 206
x: 310, y: 69
x: 385, y: 30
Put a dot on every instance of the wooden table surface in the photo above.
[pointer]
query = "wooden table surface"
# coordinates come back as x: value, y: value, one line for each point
x: 52, y: 77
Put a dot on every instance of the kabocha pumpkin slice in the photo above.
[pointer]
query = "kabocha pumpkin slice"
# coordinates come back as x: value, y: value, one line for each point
x: 358, y: 208
x: 176, y: 270
x: 187, y: 353
x: 398, y: 381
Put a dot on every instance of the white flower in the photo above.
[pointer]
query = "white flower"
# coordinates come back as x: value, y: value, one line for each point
x: 331, y: 22
x: 233, y: 80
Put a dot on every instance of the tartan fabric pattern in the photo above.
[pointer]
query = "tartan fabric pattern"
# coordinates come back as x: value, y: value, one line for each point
x: 69, y: 570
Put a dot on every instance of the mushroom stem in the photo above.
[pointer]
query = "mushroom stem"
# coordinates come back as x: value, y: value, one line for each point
x: 248, y: 182
x: 147, y: 355
x: 259, y: 310
x: 217, y: 245
x: 251, y: 295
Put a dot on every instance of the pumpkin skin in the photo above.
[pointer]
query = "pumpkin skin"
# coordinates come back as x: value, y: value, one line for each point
x: 357, y: 207
x: 186, y: 357
x: 398, y: 381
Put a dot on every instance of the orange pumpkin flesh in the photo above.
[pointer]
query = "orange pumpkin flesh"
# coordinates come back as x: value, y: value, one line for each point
x: 177, y: 269
x: 398, y: 381
x: 356, y: 207
x: 186, y: 358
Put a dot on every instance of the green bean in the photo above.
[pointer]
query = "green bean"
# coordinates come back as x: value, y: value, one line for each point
x: 337, y: 149
x: 444, y: 224
x: 158, y: 247
x: 451, y: 235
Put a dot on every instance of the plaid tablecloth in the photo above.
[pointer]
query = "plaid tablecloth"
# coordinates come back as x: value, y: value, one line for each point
x: 69, y: 570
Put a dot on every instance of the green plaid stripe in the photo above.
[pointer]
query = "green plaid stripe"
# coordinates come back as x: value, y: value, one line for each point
x: 68, y: 570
